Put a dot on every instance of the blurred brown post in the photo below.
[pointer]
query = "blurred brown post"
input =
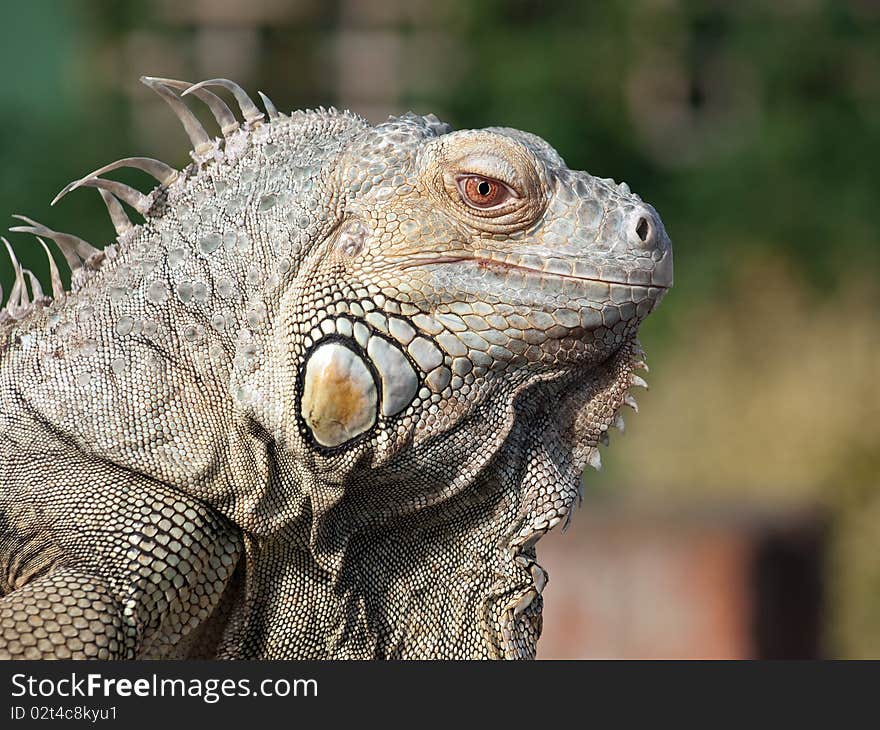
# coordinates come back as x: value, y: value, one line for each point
x: 719, y: 584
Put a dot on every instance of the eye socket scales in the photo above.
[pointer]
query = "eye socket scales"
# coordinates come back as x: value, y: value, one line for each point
x: 490, y: 182
x: 483, y: 192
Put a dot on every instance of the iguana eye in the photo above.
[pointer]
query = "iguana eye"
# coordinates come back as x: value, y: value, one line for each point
x: 483, y: 192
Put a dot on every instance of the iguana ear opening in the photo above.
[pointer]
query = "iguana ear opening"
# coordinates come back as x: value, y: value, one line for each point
x: 351, y: 237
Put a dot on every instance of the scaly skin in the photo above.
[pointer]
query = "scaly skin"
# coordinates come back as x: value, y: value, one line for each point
x: 324, y: 401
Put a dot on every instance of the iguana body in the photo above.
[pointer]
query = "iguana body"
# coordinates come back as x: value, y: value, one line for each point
x: 323, y: 401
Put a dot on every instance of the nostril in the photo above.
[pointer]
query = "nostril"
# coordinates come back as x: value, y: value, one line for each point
x: 643, y: 229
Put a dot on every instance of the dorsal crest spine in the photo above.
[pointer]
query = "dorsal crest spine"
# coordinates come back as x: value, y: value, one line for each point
x: 82, y: 258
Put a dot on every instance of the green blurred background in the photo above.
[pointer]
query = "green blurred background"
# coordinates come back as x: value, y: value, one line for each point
x: 754, y: 131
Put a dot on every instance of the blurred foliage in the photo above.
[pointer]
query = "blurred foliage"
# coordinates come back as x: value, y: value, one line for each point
x: 751, y: 127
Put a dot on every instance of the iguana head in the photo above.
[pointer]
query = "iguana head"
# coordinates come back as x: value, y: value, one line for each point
x: 460, y: 260
x: 387, y: 353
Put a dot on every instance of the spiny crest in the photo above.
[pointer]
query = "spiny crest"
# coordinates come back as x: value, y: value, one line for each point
x: 82, y: 258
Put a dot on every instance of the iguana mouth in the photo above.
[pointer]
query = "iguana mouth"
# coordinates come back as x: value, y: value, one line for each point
x: 506, y: 266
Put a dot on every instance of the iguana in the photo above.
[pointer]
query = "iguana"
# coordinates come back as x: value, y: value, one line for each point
x: 324, y: 400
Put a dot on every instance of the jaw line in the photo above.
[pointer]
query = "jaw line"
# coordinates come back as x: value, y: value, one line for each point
x: 492, y: 264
